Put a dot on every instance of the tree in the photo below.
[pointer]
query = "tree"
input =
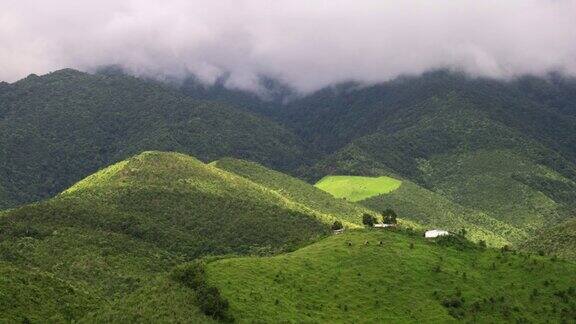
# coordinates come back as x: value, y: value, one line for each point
x: 368, y: 220
x: 337, y: 225
x: 389, y: 216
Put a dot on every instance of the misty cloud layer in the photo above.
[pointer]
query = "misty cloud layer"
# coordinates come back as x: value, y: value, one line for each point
x: 306, y: 43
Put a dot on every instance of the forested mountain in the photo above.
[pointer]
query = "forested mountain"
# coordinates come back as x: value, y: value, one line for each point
x: 504, y: 148
x: 58, y: 128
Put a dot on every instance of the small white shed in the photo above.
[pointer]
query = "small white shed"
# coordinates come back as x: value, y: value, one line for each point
x: 435, y: 233
x: 383, y: 225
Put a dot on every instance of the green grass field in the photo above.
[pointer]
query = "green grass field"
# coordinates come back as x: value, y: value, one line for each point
x: 355, y: 188
x: 407, y: 279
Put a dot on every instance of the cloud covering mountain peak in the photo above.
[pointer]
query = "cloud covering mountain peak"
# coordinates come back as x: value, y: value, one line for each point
x: 307, y: 44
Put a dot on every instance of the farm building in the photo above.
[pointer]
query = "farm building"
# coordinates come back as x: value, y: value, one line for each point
x: 382, y: 225
x: 435, y: 233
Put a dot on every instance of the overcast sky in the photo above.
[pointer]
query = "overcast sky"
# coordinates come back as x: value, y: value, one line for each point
x: 306, y: 43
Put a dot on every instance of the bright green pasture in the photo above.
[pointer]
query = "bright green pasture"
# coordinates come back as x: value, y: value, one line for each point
x: 355, y: 188
x: 404, y: 279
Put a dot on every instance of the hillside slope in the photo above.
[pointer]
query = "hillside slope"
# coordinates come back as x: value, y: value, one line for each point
x: 559, y: 240
x: 296, y: 190
x: 424, y: 207
x: 34, y: 296
x: 116, y: 234
x: 406, y: 279
x: 58, y: 128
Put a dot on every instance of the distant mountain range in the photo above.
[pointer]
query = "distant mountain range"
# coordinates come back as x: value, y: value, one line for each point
x: 502, y: 149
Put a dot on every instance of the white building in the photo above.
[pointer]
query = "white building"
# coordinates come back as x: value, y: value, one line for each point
x: 435, y: 233
x: 382, y: 225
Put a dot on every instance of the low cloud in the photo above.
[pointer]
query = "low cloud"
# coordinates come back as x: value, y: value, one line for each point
x: 305, y: 43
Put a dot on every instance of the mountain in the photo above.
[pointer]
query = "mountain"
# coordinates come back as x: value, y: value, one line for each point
x: 492, y: 155
x: 58, y: 128
x: 559, y: 240
x: 387, y: 276
x: 506, y: 149
x: 107, y: 243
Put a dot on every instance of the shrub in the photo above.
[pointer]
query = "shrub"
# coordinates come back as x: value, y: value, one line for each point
x: 209, y: 300
x: 337, y: 225
x: 389, y: 216
x: 368, y: 220
x: 454, y: 241
x: 453, y: 302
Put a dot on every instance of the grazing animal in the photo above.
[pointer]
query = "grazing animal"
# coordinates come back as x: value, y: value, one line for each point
x: 381, y: 243
x: 366, y: 243
x: 349, y: 243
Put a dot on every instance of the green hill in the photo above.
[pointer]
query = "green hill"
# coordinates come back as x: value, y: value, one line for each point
x: 296, y: 190
x: 559, y: 240
x: 115, y: 235
x: 406, y: 279
x: 355, y: 188
x: 61, y: 127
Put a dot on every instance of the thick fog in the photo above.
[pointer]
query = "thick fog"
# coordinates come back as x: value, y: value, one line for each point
x: 305, y: 43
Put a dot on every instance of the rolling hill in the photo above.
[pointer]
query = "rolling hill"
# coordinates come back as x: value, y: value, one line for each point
x: 108, y: 243
x: 406, y: 279
x: 296, y: 190
x: 58, y: 128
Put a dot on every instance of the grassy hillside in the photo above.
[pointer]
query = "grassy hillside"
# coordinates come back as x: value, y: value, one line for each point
x: 115, y: 236
x: 559, y: 240
x: 35, y: 296
x: 58, y: 128
x: 295, y: 190
x: 162, y: 300
x: 406, y: 279
x: 355, y: 188
x: 422, y: 206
